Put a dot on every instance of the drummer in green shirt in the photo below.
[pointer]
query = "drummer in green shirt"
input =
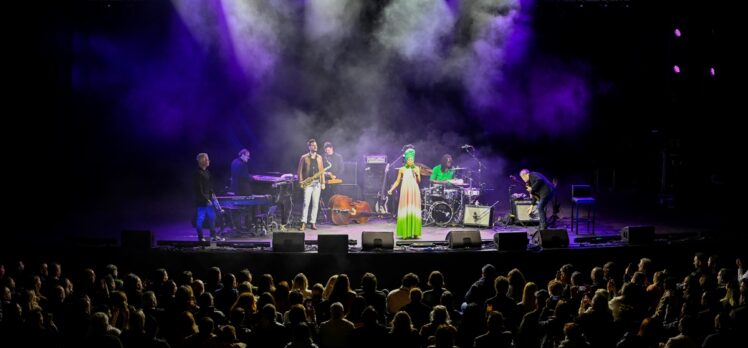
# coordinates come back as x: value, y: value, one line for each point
x: 443, y: 172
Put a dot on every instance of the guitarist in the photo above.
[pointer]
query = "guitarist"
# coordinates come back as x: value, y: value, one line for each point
x: 542, y: 191
x: 311, y: 164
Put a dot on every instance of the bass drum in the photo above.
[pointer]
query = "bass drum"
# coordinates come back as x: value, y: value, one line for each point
x: 441, y: 213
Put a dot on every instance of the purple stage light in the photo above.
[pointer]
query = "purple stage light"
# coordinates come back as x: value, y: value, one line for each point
x: 676, y: 69
x: 677, y: 32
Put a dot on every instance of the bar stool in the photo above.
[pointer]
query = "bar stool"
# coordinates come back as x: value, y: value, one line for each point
x: 582, y: 198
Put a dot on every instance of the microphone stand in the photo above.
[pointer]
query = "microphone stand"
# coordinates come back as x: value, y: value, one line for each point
x: 480, y: 168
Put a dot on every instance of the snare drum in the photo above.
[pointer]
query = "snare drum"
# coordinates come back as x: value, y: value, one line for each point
x: 434, y: 193
x: 471, y: 192
x: 452, y: 194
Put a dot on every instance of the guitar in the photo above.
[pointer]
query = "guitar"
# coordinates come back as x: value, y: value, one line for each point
x: 382, y: 197
x: 221, y: 217
x: 526, y: 185
x: 216, y: 204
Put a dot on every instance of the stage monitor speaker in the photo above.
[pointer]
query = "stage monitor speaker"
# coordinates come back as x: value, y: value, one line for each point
x: 377, y: 240
x: 552, y: 238
x: 519, y: 209
x: 638, y: 234
x: 478, y: 216
x: 464, y: 239
x: 137, y: 240
x: 288, y: 241
x: 506, y: 241
x: 332, y: 243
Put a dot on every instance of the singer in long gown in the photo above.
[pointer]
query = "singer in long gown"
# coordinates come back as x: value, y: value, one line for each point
x: 409, y: 209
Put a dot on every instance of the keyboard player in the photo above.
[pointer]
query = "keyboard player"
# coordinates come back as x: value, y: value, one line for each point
x: 241, y: 185
x: 241, y: 181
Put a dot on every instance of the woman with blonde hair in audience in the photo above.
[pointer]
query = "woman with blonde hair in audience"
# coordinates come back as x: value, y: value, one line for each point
x: 329, y: 286
x: 301, y: 283
x: 527, y: 304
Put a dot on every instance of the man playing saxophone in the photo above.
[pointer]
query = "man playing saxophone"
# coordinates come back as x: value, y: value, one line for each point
x: 312, y: 179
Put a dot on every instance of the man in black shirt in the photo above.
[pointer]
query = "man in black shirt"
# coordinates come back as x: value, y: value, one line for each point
x: 241, y: 185
x: 240, y: 176
x: 336, y: 170
x: 204, y: 198
x: 542, y: 191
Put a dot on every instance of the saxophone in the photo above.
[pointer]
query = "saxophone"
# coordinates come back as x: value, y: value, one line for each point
x: 308, y: 181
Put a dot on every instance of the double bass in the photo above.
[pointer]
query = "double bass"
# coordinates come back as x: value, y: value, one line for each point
x: 344, y: 210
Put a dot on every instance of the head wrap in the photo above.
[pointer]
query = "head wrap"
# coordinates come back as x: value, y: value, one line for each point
x: 409, y: 153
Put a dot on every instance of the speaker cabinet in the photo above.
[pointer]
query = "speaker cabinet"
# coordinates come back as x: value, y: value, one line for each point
x: 137, y: 240
x: 464, y: 239
x: 288, y: 241
x: 638, y: 234
x: 377, y: 240
x: 350, y: 175
x: 332, y: 244
x: 506, y: 241
x: 520, y: 211
x: 552, y: 238
x: 478, y: 216
x: 373, y: 178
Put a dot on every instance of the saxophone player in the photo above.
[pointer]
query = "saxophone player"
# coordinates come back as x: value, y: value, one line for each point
x: 311, y: 167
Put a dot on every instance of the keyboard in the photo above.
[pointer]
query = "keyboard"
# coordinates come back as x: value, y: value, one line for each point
x: 241, y: 201
x: 273, y: 178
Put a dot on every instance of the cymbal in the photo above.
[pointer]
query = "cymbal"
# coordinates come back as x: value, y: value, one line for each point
x: 457, y: 182
x: 459, y: 168
x: 425, y: 170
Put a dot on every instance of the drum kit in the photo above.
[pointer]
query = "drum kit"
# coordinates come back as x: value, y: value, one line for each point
x: 444, y: 204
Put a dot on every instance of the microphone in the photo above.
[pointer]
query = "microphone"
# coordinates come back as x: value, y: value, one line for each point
x: 466, y: 146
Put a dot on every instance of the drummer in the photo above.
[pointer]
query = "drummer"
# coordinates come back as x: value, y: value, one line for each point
x: 443, y: 173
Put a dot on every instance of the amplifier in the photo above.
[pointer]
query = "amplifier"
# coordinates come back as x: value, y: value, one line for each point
x: 375, y: 159
x: 478, y: 216
x: 519, y: 210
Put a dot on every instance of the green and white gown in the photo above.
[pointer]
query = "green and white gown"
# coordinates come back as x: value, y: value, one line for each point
x: 409, y: 209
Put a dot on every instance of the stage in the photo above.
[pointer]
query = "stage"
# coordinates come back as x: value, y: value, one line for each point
x: 606, y: 233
